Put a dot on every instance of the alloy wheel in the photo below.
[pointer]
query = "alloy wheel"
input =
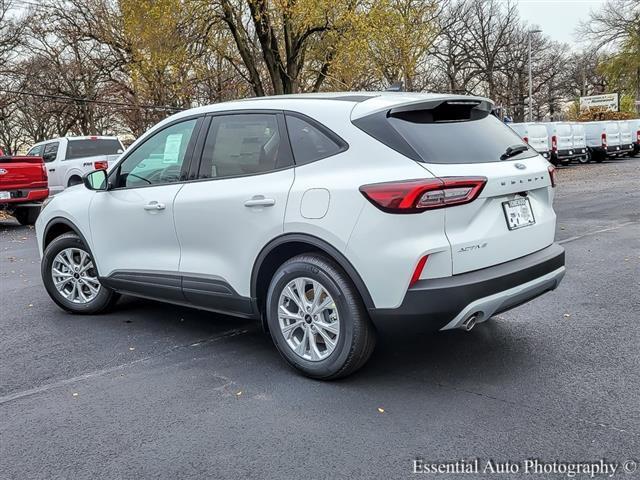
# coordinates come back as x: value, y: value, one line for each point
x: 308, y: 319
x: 74, y: 276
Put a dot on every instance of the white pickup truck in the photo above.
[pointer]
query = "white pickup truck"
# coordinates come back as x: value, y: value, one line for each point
x: 68, y: 158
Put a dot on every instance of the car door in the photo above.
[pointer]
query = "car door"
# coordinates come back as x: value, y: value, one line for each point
x: 50, y: 154
x: 234, y: 207
x: 133, y: 234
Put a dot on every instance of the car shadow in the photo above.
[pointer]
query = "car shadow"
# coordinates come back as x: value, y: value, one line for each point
x: 490, y: 350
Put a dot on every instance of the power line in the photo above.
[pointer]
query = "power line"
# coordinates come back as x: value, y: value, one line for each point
x: 86, y: 100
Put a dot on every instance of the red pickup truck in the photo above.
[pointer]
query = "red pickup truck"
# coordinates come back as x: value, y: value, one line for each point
x: 23, y: 186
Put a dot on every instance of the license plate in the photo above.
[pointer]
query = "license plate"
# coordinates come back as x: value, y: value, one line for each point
x: 5, y: 195
x: 518, y: 213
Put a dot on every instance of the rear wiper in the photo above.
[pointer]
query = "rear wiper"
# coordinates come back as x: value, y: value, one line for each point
x: 513, y: 150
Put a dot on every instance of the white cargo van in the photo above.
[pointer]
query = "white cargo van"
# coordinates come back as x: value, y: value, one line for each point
x: 68, y: 159
x: 603, y: 139
x: 561, y: 141
x: 626, y: 137
x: 535, y: 134
x: 580, y: 143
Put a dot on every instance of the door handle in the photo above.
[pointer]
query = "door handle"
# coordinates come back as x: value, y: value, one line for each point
x: 154, y: 206
x: 52, y: 169
x: 260, y: 201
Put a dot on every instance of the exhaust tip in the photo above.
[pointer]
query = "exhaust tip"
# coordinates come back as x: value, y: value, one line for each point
x: 470, y: 322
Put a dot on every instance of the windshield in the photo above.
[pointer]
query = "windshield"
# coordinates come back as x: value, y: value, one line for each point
x: 93, y: 148
x: 470, y: 141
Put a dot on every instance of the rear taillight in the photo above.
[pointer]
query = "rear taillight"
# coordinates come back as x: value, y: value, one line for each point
x: 552, y: 175
x: 526, y: 139
x: 415, y: 196
x: 603, y: 138
x: 45, y: 177
x: 102, y: 165
x: 638, y: 136
x: 554, y: 143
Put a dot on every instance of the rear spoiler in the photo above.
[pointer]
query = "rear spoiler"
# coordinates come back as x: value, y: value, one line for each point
x: 20, y: 159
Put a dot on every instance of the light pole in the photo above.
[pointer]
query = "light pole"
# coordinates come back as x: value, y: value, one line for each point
x: 529, y: 33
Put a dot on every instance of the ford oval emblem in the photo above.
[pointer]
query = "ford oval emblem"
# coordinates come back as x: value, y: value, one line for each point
x: 520, y: 166
x: 2, y: 171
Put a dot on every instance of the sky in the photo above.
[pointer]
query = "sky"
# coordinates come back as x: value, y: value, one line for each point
x: 558, y: 18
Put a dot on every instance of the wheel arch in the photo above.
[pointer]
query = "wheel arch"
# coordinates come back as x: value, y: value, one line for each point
x: 286, y: 246
x: 58, y: 226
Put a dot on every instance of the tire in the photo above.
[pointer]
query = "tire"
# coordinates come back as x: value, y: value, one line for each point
x: 585, y: 159
x: 100, y: 301
x: 26, y: 215
x: 355, y: 338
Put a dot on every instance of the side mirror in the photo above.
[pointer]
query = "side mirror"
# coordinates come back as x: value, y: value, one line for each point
x: 96, y: 180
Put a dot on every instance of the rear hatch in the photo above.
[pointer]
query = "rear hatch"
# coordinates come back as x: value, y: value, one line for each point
x: 625, y: 133
x: 579, y: 140
x: 458, y: 141
x: 564, y: 136
x: 538, y: 138
x: 613, y: 133
x: 22, y: 173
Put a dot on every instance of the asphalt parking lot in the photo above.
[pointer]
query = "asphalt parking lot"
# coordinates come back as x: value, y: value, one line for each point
x: 158, y: 391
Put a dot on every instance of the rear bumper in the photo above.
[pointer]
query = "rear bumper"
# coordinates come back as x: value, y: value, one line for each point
x: 20, y: 196
x: 619, y: 149
x: 445, y: 303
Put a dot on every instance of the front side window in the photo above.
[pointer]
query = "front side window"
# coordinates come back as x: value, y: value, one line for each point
x: 308, y: 142
x: 50, y: 152
x: 243, y: 144
x: 159, y: 159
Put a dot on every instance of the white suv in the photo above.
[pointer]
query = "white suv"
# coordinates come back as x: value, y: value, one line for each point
x: 328, y: 217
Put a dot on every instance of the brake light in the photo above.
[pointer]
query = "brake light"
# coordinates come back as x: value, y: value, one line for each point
x: 552, y: 175
x: 603, y: 137
x: 418, y: 271
x: 554, y: 143
x: 415, y: 196
x: 45, y: 176
x: 526, y: 139
x: 101, y: 165
x: 638, y: 136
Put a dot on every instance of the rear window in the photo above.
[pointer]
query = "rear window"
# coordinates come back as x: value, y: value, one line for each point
x: 92, y: 148
x: 470, y: 141
x: 578, y: 129
x: 563, y: 130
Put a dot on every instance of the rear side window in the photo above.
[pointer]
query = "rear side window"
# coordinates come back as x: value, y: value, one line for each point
x: 243, y: 144
x: 35, y: 151
x: 470, y: 141
x: 50, y: 152
x: 92, y: 148
x: 311, y: 142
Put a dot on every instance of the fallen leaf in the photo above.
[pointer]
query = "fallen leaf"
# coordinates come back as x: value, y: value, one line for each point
x: 238, y: 393
x: 75, y: 394
x: 132, y: 348
x: 31, y: 305
x: 381, y: 410
x: 567, y: 315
